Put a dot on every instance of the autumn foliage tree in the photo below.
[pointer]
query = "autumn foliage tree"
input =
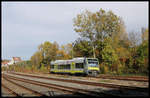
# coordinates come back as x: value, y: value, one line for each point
x: 141, y: 60
x: 102, y: 35
x: 63, y: 53
x: 105, y: 37
x: 46, y: 53
x: 82, y: 48
x: 96, y: 28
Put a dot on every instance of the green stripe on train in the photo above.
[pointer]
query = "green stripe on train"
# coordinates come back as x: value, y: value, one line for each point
x: 93, y: 68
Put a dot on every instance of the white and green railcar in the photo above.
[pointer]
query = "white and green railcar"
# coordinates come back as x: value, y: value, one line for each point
x: 88, y: 66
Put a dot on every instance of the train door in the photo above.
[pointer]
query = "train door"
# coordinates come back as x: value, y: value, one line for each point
x: 85, y: 66
x: 55, y: 67
x: 72, y: 67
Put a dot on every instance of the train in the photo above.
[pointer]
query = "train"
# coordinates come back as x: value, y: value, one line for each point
x: 79, y: 65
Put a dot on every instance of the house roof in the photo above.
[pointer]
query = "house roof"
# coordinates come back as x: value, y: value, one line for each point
x: 16, y: 58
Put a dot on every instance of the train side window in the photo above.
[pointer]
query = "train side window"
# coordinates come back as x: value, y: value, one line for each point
x: 52, y: 66
x: 65, y: 67
x: 68, y: 66
x: 59, y: 66
x: 62, y: 67
x: 79, y: 65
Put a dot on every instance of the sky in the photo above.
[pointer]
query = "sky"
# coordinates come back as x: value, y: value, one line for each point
x: 25, y: 25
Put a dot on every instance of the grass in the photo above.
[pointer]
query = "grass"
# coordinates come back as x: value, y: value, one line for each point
x: 43, y: 70
x: 129, y: 74
x: 126, y: 74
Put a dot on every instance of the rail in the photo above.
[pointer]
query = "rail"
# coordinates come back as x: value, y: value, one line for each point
x: 120, y: 87
x: 62, y: 88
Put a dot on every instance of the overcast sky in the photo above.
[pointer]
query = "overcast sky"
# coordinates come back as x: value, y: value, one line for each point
x: 25, y: 25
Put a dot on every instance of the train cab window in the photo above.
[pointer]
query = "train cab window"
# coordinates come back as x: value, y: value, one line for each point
x: 79, y: 65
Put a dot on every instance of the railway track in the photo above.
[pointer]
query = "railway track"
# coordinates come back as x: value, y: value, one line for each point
x: 119, y: 87
x: 77, y: 91
x: 128, y: 78
x: 9, y: 90
x: 25, y: 88
x: 72, y: 90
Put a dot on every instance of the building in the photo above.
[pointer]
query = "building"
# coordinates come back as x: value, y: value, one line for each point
x: 14, y: 60
x: 5, y: 63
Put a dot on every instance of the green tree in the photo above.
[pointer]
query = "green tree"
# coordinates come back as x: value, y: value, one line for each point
x: 142, y: 58
x: 82, y: 48
x: 94, y: 27
x: 142, y: 54
x: 106, y: 34
x: 138, y: 59
x: 46, y: 53
x: 108, y: 55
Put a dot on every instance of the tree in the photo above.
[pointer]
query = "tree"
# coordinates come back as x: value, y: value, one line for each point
x: 134, y: 39
x: 142, y: 58
x: 84, y: 25
x: 145, y: 33
x: 95, y: 27
x: 61, y: 55
x: 45, y: 54
x: 108, y: 54
x: 138, y: 59
x: 36, y: 59
x: 82, y: 48
x: 142, y: 53
x: 67, y: 50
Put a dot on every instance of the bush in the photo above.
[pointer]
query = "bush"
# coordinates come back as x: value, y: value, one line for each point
x: 106, y: 70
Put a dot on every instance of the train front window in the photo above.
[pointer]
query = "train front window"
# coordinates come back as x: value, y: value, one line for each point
x: 93, y: 62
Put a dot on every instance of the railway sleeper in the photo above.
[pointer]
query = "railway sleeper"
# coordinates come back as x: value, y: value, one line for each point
x: 14, y: 93
x: 120, y: 87
x: 76, y: 91
x: 33, y: 91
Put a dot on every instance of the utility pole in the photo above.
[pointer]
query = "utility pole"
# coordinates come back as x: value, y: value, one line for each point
x: 93, y: 51
x: 92, y: 42
x: 72, y: 50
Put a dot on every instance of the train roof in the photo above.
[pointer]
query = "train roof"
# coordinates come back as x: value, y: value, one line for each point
x: 77, y: 60
x: 62, y: 62
x: 80, y: 59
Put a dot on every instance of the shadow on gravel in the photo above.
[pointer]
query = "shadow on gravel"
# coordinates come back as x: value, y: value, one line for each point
x: 143, y: 92
x: 99, y: 93
x: 110, y: 93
